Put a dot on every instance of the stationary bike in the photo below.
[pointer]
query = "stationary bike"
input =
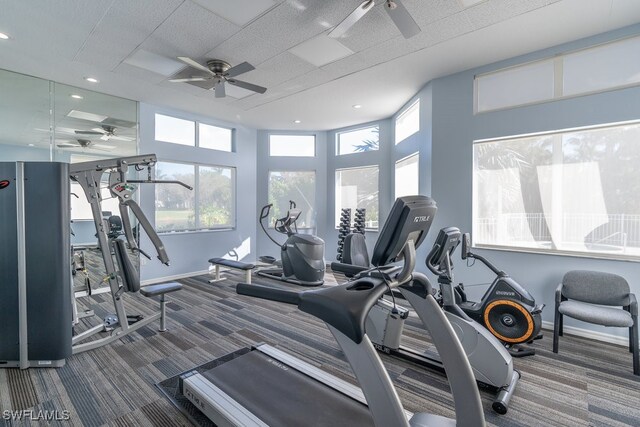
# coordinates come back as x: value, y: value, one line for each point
x: 491, y: 363
x: 302, y: 255
x: 506, y: 309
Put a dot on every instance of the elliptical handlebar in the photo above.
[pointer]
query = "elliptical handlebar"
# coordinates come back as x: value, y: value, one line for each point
x: 466, y: 253
x: 264, y: 213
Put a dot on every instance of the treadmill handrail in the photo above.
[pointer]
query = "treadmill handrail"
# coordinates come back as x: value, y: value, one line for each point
x: 268, y: 293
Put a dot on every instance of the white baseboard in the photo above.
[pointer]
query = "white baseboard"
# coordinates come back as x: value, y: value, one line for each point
x: 174, y: 277
x: 586, y: 333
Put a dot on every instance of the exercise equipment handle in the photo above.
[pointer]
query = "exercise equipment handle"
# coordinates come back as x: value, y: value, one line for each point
x: 268, y: 293
x: 148, y: 228
x: 264, y: 213
x: 431, y: 258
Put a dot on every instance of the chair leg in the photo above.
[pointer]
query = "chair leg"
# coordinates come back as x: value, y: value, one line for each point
x: 557, y: 329
x: 633, y: 342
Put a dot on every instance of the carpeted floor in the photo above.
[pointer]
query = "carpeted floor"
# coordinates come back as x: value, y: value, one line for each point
x: 588, y: 383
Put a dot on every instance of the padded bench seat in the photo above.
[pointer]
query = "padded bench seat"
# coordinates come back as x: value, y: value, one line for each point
x: 160, y: 289
x: 236, y: 265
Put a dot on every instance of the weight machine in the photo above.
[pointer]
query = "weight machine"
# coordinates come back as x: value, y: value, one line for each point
x: 124, y: 278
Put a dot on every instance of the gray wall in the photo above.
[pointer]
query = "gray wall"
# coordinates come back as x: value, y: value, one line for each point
x: 454, y: 129
x: 266, y: 163
x: 190, y: 251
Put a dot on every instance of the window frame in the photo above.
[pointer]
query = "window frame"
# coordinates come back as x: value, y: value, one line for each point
x: 404, y: 113
x: 558, y: 77
x: 315, y: 144
x: 335, y: 185
x: 542, y: 251
x: 339, y: 134
x: 196, y: 194
x: 196, y: 124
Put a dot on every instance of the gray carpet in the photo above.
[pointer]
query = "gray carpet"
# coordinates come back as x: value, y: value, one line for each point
x: 588, y: 383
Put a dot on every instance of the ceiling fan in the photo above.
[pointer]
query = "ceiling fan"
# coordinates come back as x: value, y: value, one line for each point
x: 216, y: 74
x: 84, y: 143
x: 396, y: 10
x: 106, y: 133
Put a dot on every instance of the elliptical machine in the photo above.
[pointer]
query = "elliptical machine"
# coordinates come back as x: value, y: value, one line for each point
x: 302, y: 255
x: 506, y: 309
x: 491, y: 363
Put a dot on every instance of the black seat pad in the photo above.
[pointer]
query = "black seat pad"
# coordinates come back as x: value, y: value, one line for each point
x: 233, y: 264
x: 160, y: 289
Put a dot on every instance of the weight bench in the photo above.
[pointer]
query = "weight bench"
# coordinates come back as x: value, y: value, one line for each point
x: 160, y: 290
x: 236, y: 265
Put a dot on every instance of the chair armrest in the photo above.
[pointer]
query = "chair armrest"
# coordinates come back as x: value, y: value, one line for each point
x: 559, y: 294
x: 633, y: 305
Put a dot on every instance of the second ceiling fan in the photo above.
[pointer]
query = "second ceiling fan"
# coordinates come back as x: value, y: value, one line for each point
x: 396, y: 10
x: 217, y: 73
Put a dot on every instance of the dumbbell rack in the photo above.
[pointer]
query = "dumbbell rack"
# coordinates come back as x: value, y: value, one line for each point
x: 344, y: 228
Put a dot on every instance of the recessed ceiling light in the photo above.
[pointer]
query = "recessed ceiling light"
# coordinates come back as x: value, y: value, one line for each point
x: 297, y: 121
x: 356, y: 106
x: 75, y: 96
x: 3, y: 36
x: 91, y: 79
x: 31, y: 145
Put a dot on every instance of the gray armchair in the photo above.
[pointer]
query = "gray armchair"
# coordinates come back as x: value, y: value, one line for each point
x: 578, y: 295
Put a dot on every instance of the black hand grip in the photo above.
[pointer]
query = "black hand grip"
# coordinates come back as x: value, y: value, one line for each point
x: 265, y: 292
x: 431, y: 260
x: 146, y: 225
x: 466, y: 246
x: 265, y: 211
x: 348, y: 270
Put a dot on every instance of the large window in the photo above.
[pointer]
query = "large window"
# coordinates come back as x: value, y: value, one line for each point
x: 572, y: 191
x: 408, y: 122
x: 298, y: 186
x: 183, y: 132
x: 407, y: 176
x: 605, y: 67
x: 292, y: 145
x: 210, y: 205
x: 358, y: 188
x: 358, y: 140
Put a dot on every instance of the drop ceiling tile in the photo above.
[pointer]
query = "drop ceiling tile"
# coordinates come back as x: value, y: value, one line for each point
x: 155, y: 63
x: 122, y: 28
x: 139, y: 73
x: 469, y: 3
x: 244, y: 47
x: 321, y: 50
x: 391, y: 49
x: 190, y: 31
x: 240, y: 12
x: 374, y: 28
x: 483, y: 15
x: 425, y: 12
x: 442, y: 30
x: 60, y: 28
x: 345, y: 66
x: 278, y: 69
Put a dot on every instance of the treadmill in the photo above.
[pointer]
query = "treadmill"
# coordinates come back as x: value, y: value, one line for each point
x: 263, y: 386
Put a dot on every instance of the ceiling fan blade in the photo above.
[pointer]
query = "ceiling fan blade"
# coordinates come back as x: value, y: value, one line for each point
x: 248, y: 86
x: 88, y: 132
x: 349, y: 21
x: 219, y: 88
x: 191, y: 79
x: 207, y: 84
x: 245, y: 67
x: 190, y: 62
x: 67, y: 146
x: 402, y: 18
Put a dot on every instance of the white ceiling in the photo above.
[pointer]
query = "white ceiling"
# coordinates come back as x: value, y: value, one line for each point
x: 67, y: 40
